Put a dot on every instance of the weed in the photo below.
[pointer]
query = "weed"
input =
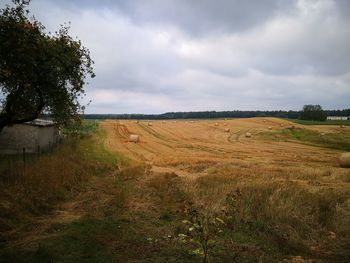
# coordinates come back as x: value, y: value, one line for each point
x: 202, y: 230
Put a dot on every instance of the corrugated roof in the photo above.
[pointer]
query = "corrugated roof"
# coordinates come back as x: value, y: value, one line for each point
x: 40, y: 122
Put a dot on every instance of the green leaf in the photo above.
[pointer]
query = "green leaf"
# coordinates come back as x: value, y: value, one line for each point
x: 211, y: 242
x: 220, y: 220
x: 198, y: 251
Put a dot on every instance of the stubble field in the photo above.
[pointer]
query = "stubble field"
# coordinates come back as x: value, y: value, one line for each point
x: 187, y: 187
x: 292, y: 190
x: 190, y: 148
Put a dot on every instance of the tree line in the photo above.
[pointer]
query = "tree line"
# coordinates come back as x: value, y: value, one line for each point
x: 213, y: 115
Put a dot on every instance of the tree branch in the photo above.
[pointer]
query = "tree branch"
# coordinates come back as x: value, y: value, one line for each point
x: 7, y: 118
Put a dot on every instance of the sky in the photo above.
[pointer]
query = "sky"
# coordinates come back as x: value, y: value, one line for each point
x: 156, y: 56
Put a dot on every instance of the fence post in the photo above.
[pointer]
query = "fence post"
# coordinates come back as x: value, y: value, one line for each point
x: 24, y: 155
x: 24, y: 164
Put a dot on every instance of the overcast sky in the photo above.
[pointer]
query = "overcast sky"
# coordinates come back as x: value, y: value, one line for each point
x: 154, y: 56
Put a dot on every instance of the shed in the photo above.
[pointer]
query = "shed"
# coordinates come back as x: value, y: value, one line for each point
x: 35, y: 135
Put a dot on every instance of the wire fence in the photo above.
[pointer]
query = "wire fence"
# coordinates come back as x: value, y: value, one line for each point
x: 13, y: 166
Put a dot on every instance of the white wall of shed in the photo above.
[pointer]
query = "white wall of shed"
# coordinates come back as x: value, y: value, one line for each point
x: 14, y: 138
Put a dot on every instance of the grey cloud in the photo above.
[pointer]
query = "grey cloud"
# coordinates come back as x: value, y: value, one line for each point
x: 207, y: 16
x: 156, y: 56
x: 343, y: 8
x: 197, y: 18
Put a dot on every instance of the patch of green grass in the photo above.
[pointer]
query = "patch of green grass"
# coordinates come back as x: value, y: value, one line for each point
x: 89, y: 127
x: 107, y: 239
x: 338, y: 141
x: 94, y: 150
x: 327, y: 122
x: 242, y: 237
x: 82, y: 241
x: 81, y: 129
x: 167, y: 216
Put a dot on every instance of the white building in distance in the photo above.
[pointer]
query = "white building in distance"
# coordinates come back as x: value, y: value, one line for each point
x: 339, y: 118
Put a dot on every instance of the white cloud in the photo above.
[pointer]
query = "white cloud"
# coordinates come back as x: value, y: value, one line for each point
x: 151, y: 63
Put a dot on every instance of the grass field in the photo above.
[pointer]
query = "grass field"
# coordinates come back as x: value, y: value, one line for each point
x: 328, y: 122
x: 279, y: 195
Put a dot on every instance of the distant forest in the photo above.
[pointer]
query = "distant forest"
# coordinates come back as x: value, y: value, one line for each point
x: 211, y: 115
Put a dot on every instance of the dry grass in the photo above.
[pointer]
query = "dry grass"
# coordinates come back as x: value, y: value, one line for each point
x: 293, y: 194
x: 36, y: 187
x: 181, y: 144
x: 294, y: 197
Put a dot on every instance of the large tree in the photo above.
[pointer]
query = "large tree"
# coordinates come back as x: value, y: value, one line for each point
x: 40, y: 72
x: 313, y: 113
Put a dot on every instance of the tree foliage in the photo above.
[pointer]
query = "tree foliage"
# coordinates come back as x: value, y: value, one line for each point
x: 39, y: 72
x: 198, y: 115
x: 212, y: 115
x: 313, y: 113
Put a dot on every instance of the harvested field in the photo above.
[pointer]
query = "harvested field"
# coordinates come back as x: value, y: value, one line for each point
x: 281, y: 194
x: 181, y: 144
x: 291, y: 188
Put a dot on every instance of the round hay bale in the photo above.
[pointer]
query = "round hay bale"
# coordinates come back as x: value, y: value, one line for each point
x: 134, y: 138
x: 248, y: 134
x: 323, y: 134
x: 269, y: 127
x: 292, y: 127
x: 150, y: 124
x: 163, y: 122
x: 216, y: 124
x: 192, y: 121
x: 227, y: 130
x: 281, y: 124
x: 344, y: 160
x: 225, y: 124
x: 264, y: 120
x: 342, y: 126
x: 136, y: 122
